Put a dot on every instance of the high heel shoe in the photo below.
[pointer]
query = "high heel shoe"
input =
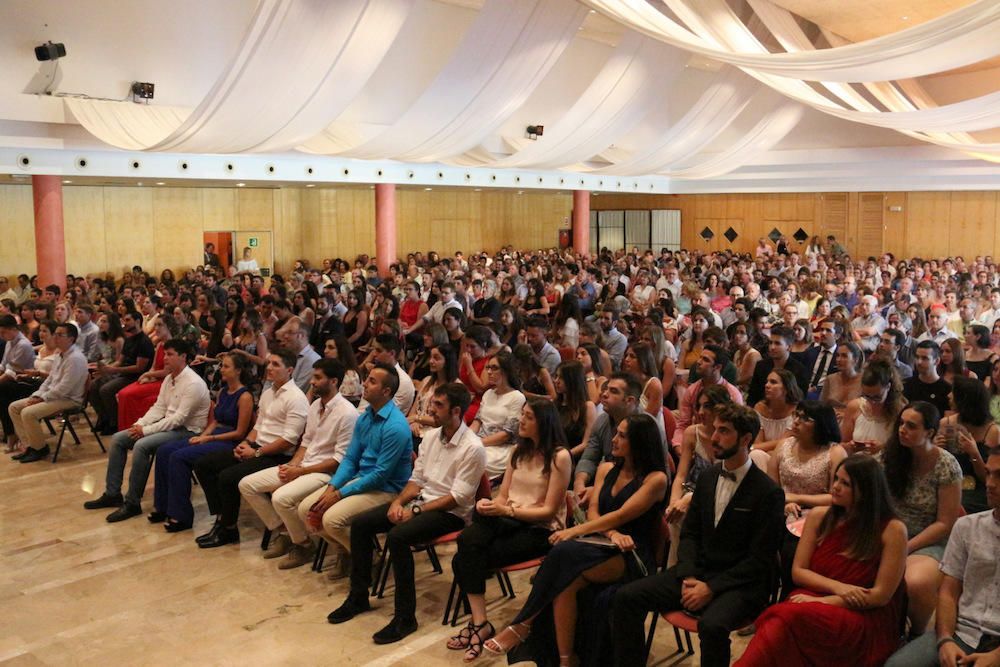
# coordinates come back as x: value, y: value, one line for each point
x: 496, y: 648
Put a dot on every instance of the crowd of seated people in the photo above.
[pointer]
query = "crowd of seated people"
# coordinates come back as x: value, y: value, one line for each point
x: 805, y: 430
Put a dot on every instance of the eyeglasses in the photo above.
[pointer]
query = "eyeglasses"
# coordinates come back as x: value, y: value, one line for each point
x: 492, y: 368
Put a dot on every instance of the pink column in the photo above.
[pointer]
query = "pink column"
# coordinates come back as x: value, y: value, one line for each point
x: 581, y: 222
x: 50, y: 244
x: 385, y: 227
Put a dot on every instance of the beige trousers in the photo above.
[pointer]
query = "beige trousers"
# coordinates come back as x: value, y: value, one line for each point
x: 282, y: 505
x: 28, y: 419
x: 337, y: 519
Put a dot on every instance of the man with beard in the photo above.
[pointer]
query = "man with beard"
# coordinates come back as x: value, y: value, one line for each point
x: 728, y: 548
x: 136, y: 356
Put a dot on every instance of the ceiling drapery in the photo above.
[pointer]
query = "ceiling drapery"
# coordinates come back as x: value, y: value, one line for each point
x: 301, y: 62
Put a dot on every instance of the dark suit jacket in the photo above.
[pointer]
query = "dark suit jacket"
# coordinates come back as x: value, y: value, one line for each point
x: 212, y: 259
x: 742, y: 551
x: 765, y: 366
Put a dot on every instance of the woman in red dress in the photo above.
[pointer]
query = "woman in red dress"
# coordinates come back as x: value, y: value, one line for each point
x: 135, y: 399
x: 849, y: 604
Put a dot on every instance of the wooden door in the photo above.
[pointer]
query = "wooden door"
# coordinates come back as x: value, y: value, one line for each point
x: 871, y: 224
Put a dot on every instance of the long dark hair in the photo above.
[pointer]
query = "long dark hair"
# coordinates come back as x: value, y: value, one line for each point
x: 972, y: 400
x: 871, y: 508
x: 114, y: 331
x: 645, y: 442
x: 450, y: 355
x: 897, y: 459
x: 573, y: 401
x: 214, y: 346
x: 551, y: 436
x: 508, y: 366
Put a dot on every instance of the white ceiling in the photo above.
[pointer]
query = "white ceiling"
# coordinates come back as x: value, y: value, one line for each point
x: 183, y: 45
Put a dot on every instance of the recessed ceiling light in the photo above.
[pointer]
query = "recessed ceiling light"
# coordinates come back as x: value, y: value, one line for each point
x: 160, y: 183
x: 428, y: 189
x: 139, y: 184
x: 241, y: 185
x: 310, y: 185
x: 906, y: 18
x: 67, y: 182
x: 520, y: 192
x: 478, y: 190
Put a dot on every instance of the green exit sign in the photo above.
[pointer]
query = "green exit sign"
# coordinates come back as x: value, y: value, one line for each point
x: 253, y: 242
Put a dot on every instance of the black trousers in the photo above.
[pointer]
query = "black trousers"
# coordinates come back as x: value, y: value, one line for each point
x: 398, y: 539
x: 104, y: 398
x: 219, y: 474
x: 491, y: 542
x: 661, y: 593
x: 10, y: 392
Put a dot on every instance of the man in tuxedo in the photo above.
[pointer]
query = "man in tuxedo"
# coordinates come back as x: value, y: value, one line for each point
x: 821, y: 357
x: 727, y: 555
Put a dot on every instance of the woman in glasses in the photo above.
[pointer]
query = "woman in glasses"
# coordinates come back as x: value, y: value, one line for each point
x: 869, y: 419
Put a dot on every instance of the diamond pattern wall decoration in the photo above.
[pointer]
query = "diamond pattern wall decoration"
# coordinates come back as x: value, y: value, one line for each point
x: 774, y: 235
x: 730, y: 234
x: 707, y: 234
x: 801, y: 235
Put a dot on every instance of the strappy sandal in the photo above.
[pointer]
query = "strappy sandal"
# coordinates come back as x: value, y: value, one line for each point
x: 461, y: 641
x: 494, y: 647
x: 476, y: 642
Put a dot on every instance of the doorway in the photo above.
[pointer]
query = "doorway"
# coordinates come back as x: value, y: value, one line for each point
x: 231, y: 247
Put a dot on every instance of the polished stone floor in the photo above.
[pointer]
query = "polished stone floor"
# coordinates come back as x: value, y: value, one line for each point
x: 75, y: 590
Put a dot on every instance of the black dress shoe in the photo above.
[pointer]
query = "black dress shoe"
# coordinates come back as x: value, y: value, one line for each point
x: 176, y: 526
x: 32, y: 455
x: 104, y: 502
x: 210, y: 534
x: 395, y: 631
x: 156, y: 517
x: 348, y: 610
x: 19, y: 455
x: 222, y: 537
x: 126, y: 511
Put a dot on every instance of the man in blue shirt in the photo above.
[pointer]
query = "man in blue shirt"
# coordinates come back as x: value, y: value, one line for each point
x: 376, y: 467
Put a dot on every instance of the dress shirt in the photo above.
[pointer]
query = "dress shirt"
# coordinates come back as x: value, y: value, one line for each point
x: 689, y: 404
x: 824, y: 362
x: 615, y: 343
x: 725, y: 489
x: 67, y: 379
x: 989, y: 317
x: 281, y: 414
x: 18, y: 356
x: 436, y: 313
x: 329, y: 427
x: 182, y: 403
x: 302, y: 374
x: 873, y: 321
x: 454, y: 467
x: 939, y: 337
x: 971, y: 557
x: 88, y: 339
x: 379, y: 456
x: 548, y: 358
x: 9, y: 294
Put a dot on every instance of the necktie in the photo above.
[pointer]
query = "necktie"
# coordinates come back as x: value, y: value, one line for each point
x: 821, y: 366
x: 731, y: 476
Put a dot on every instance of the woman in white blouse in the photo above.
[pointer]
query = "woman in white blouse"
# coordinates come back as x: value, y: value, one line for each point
x: 248, y: 264
x: 496, y: 422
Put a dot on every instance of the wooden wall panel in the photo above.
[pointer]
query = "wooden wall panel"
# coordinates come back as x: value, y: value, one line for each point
x: 870, y: 224
x: 219, y: 209
x: 83, y: 226
x: 128, y: 228
x: 288, y: 216
x: 17, y: 222
x: 177, y: 228
x: 973, y: 223
x: 928, y: 219
x: 254, y: 209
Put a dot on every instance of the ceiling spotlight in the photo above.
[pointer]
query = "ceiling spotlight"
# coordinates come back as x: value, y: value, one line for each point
x: 310, y: 185
x: 160, y: 183
x: 241, y: 185
x: 535, y: 131
x: 67, y: 182
x: 428, y: 189
x: 50, y: 51
x: 142, y: 90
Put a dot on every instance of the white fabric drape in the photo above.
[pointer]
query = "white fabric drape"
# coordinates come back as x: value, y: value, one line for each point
x: 630, y: 85
x: 765, y: 135
x: 299, y: 65
x: 712, y: 113
x: 965, y: 36
x: 504, y: 55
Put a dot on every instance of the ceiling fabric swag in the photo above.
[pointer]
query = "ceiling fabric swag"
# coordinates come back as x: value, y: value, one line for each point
x: 957, y: 39
x: 631, y: 84
x: 712, y: 113
x: 760, y: 139
x: 504, y: 55
x: 716, y: 20
x: 284, y: 85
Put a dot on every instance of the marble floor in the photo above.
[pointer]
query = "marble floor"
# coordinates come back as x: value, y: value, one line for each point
x: 75, y: 590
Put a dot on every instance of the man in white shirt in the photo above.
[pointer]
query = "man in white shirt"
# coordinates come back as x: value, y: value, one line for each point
x: 5, y: 291
x: 89, y: 339
x: 937, y: 326
x: 18, y: 357
x: 180, y: 411
x: 868, y: 325
x: 387, y: 350
x: 62, y: 390
x: 437, y: 500
x: 436, y: 313
x: 329, y: 425
x: 992, y: 313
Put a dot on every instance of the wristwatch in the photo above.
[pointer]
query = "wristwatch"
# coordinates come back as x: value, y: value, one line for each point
x: 416, y: 509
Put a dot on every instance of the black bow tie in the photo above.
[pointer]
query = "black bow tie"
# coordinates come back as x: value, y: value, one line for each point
x: 728, y: 475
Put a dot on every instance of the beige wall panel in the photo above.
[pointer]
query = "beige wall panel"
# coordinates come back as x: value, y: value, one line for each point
x: 973, y: 223
x: 17, y: 220
x: 871, y: 228
x: 177, y: 228
x: 288, y: 217
x: 928, y: 218
x: 83, y: 225
x: 128, y: 223
x: 218, y: 209
x: 895, y: 223
x: 254, y: 209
